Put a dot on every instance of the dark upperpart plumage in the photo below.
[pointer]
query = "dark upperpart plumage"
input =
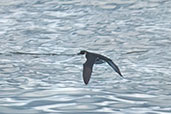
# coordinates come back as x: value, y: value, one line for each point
x: 94, y: 58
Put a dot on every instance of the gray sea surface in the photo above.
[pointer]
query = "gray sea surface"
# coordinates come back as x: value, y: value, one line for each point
x: 40, y: 72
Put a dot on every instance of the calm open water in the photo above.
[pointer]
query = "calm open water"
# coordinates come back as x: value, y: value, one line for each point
x: 40, y: 74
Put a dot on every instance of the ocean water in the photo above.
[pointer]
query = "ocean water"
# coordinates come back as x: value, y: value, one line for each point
x: 40, y: 73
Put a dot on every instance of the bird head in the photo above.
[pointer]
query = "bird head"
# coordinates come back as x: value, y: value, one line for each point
x: 82, y: 52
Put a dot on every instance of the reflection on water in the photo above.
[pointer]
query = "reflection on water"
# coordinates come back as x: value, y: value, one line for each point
x: 40, y: 72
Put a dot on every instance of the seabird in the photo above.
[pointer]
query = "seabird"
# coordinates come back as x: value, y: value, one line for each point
x: 94, y: 58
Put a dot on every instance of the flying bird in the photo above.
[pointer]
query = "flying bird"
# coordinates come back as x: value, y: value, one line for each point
x: 94, y: 58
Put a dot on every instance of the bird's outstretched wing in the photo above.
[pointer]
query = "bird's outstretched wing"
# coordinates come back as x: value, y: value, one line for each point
x: 114, y: 66
x: 87, y: 68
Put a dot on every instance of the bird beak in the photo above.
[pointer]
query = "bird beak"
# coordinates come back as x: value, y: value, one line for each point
x: 78, y: 54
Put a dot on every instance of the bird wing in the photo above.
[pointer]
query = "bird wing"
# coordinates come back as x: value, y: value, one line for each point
x: 99, y: 61
x: 87, y: 68
x: 114, y: 66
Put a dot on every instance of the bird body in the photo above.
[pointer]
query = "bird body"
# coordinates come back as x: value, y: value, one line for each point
x: 94, y: 58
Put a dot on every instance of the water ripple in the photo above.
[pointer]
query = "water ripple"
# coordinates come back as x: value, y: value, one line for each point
x: 41, y: 73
